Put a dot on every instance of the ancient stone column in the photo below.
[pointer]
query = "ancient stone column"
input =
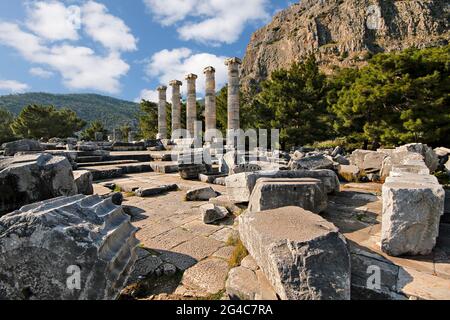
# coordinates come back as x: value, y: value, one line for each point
x: 210, y: 99
x: 176, y: 105
x: 162, y: 116
x: 191, y: 105
x: 233, y: 95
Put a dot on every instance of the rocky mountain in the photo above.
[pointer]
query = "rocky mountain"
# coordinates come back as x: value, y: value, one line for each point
x: 89, y: 107
x: 344, y: 33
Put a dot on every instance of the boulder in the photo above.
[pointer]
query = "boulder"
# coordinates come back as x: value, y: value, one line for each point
x: 83, y: 180
x: 273, y: 193
x: 350, y: 173
x: 442, y: 152
x: 11, y: 148
x: 240, y: 186
x: 315, y: 162
x: 341, y: 160
x: 337, y: 151
x: 245, y: 167
x: 200, y: 194
x: 67, y: 248
x: 31, y: 178
x: 412, y: 208
x: 212, y: 213
x: 303, y: 256
x: 297, y: 155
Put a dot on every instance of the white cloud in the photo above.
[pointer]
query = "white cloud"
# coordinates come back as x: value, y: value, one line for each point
x: 209, y: 21
x: 12, y: 86
x: 149, y: 95
x: 167, y: 65
x: 53, y: 20
x: 80, y: 67
x: 107, y: 29
x: 41, y: 73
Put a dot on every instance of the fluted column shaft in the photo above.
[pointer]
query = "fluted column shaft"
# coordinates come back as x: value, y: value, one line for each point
x: 210, y: 99
x: 176, y: 105
x: 162, y: 114
x: 233, y: 93
x: 191, y: 104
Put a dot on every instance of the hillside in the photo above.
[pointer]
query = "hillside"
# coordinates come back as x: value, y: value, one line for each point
x: 112, y: 112
x: 343, y: 33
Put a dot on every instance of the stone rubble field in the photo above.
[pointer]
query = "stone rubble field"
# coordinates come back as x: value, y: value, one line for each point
x: 148, y: 225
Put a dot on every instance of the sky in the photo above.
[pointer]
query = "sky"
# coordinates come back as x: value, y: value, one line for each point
x: 122, y: 48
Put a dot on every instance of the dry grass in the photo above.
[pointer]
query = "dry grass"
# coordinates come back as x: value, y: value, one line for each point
x: 239, y: 252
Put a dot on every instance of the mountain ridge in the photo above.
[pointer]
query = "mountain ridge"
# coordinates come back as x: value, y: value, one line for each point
x: 111, y: 111
x: 343, y: 33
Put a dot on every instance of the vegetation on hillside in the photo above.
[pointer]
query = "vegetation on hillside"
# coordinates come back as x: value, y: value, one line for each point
x: 94, y: 127
x: 36, y: 122
x: 6, y: 119
x: 89, y: 107
x: 397, y: 98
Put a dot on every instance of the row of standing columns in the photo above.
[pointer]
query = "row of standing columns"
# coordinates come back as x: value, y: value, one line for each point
x: 191, y: 101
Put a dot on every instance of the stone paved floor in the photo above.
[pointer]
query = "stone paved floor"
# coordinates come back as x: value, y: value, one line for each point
x: 172, y: 227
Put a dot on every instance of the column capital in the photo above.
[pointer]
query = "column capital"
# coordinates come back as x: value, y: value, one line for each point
x: 174, y: 83
x: 209, y: 70
x: 191, y: 76
x: 233, y: 60
x: 161, y: 88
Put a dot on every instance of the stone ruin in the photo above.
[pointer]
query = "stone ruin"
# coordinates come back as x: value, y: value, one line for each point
x: 45, y: 244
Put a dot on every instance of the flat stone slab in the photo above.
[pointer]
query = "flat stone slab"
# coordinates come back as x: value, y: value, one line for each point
x: 199, y: 247
x: 302, y: 255
x: 208, y: 275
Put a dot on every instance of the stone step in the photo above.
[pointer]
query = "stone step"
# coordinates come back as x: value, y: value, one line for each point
x: 108, y: 163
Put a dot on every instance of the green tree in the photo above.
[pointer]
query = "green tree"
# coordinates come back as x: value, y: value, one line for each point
x: 398, y: 98
x: 6, y: 119
x: 148, y: 120
x: 295, y: 102
x: 95, y: 126
x: 46, y: 122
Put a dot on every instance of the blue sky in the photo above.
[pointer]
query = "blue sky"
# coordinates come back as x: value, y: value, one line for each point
x: 121, y: 48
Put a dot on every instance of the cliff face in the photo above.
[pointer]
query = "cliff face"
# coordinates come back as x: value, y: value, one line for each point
x: 344, y: 33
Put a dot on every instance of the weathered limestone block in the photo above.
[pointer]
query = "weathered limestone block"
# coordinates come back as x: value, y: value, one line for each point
x: 191, y: 171
x: 373, y: 161
x: 246, y: 284
x: 43, y: 244
x: 240, y: 186
x: 11, y: 148
x: 357, y: 157
x: 350, y: 173
x: 83, y: 180
x: 302, y: 255
x: 272, y: 193
x: 200, y: 194
x: 312, y: 163
x: 245, y: 167
x: 428, y: 154
x: 412, y: 209
x: 31, y: 178
x: 397, y: 158
x: 212, y: 213
x: 150, y: 192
